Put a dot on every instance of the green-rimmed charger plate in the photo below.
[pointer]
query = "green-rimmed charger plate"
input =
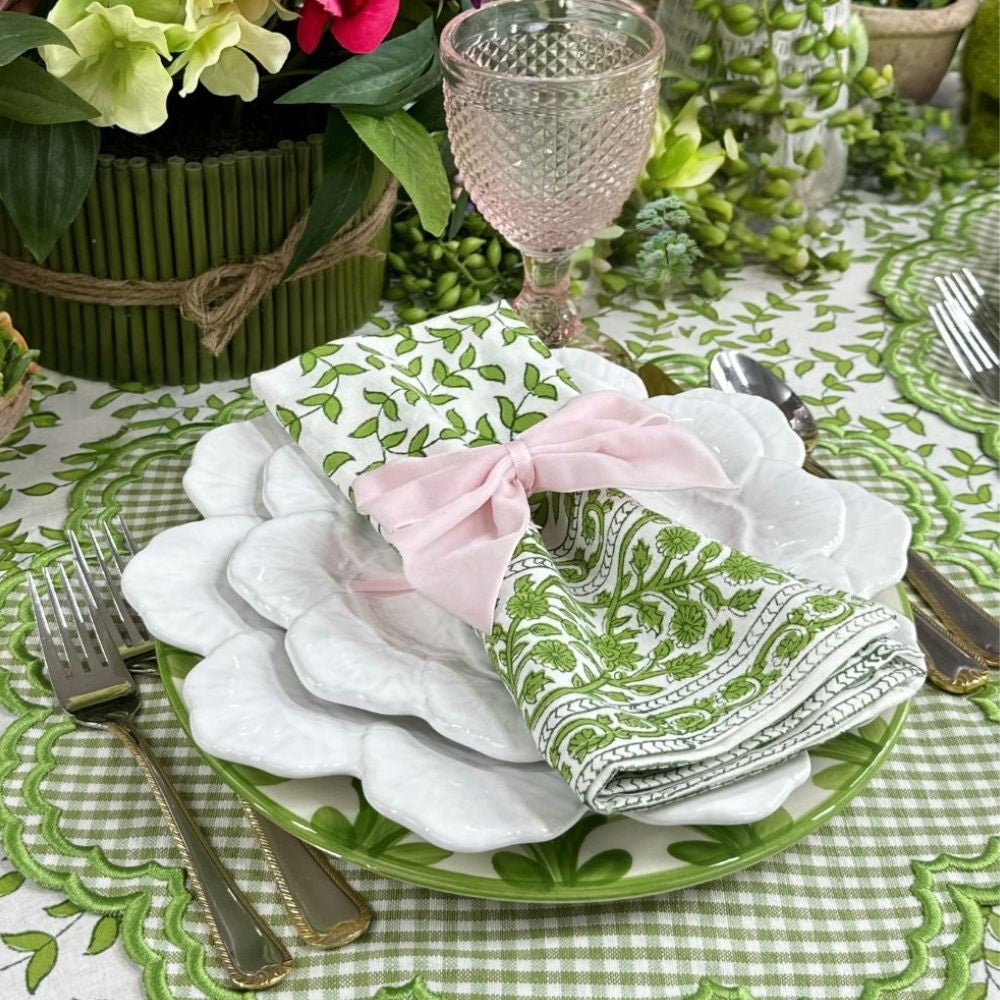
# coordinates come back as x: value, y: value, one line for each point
x: 598, y: 859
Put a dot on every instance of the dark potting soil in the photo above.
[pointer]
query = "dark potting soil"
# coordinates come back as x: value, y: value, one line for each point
x: 202, y: 125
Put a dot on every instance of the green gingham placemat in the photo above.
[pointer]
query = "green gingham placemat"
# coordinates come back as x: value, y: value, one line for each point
x: 893, y: 898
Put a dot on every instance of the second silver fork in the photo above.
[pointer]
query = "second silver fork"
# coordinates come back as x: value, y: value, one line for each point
x: 325, y: 910
x: 967, y: 326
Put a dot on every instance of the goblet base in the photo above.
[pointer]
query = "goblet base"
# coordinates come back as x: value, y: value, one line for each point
x: 544, y: 303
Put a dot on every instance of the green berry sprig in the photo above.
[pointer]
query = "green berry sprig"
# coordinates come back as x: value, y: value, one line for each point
x: 429, y: 276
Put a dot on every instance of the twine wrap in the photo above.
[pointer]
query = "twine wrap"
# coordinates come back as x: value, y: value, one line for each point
x: 220, y: 299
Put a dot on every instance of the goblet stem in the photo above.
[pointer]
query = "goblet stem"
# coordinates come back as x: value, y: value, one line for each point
x: 544, y: 303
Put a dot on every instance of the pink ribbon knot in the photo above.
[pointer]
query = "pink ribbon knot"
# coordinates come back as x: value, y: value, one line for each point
x: 457, y: 517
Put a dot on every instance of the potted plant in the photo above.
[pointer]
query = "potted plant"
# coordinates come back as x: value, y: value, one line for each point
x: 917, y: 38
x: 196, y: 190
x: 17, y: 365
x: 981, y: 75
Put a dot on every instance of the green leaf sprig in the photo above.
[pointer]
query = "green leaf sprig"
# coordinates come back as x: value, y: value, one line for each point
x: 667, y: 251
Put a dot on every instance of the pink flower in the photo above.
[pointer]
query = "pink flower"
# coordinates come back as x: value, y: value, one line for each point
x: 359, y: 25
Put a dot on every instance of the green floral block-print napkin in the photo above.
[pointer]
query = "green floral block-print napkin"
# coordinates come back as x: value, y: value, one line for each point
x: 653, y: 663
x: 650, y: 663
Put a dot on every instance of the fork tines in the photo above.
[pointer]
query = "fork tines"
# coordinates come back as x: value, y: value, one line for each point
x: 129, y: 629
x: 81, y: 676
x: 973, y: 353
x: 962, y: 288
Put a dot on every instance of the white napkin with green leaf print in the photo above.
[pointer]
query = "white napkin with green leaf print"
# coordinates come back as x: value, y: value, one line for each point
x: 649, y: 662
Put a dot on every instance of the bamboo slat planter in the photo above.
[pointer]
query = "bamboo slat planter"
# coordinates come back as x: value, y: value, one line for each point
x: 176, y: 220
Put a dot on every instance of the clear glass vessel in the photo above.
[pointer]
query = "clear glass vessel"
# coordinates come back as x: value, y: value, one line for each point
x: 550, y: 107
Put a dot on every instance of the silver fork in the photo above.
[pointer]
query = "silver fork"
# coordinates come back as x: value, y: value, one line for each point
x: 963, y: 288
x: 99, y: 692
x: 975, y: 356
x: 324, y: 908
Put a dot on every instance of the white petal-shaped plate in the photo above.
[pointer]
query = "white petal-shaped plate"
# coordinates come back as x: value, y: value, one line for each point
x: 739, y: 435
x: 592, y: 373
x: 287, y: 565
x: 732, y: 804
x: 344, y: 659
x: 780, y: 441
x: 178, y: 584
x: 877, y: 535
x: 284, y: 566
x: 226, y: 469
x: 291, y: 484
x: 778, y: 513
x: 247, y: 706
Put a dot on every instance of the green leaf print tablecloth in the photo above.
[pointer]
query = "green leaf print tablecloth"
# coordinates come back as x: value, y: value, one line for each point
x: 898, y: 897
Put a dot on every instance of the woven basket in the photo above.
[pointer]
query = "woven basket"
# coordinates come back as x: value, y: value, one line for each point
x: 176, y: 220
x: 13, y: 407
x: 684, y: 29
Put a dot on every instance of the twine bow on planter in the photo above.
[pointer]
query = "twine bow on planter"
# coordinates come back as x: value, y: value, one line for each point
x: 220, y: 299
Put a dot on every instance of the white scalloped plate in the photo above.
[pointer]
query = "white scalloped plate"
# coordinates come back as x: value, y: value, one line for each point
x: 289, y: 593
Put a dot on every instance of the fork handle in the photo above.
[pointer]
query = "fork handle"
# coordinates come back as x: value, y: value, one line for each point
x: 974, y: 630
x: 250, y: 953
x: 326, y: 911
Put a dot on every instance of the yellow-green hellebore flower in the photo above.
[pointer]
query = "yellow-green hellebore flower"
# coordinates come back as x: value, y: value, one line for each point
x: 215, y: 53
x: 118, y: 63
x: 255, y: 11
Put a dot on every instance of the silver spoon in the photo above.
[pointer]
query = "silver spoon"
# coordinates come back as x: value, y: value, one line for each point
x: 975, y: 630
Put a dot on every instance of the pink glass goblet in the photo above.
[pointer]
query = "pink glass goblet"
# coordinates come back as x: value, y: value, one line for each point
x: 550, y: 107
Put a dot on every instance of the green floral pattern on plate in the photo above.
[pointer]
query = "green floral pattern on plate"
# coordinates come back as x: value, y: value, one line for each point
x: 333, y: 814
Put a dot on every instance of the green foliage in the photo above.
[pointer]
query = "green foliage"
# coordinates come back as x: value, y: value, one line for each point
x: 397, y: 72
x: 370, y: 91
x: 432, y: 276
x: 667, y: 252
x: 20, y: 33
x: 29, y: 94
x: 909, y: 150
x: 411, y: 153
x: 752, y: 208
x: 15, y: 361
x: 45, y: 173
x: 348, y: 168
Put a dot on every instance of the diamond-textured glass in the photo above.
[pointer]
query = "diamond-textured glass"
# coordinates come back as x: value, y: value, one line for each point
x: 550, y: 106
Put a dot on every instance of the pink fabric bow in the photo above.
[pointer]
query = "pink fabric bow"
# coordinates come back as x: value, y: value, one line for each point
x: 457, y: 517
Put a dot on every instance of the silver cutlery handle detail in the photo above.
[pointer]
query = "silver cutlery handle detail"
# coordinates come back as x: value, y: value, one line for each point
x: 977, y: 632
x: 948, y: 666
x: 251, y: 954
x: 326, y: 911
